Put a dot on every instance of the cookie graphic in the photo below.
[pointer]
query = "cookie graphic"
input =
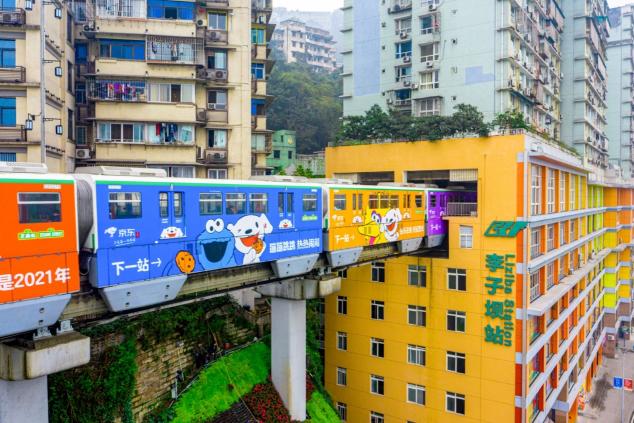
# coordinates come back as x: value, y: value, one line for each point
x: 185, y: 261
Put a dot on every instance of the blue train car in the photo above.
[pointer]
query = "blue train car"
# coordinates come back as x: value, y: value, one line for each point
x: 149, y: 229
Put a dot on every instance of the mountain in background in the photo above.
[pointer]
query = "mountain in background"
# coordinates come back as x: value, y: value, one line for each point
x: 329, y: 21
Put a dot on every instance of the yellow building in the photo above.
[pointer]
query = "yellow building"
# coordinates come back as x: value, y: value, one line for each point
x: 20, y: 65
x: 509, y: 322
x: 169, y: 85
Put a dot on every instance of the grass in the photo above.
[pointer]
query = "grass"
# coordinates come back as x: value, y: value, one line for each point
x: 320, y: 410
x: 212, y: 394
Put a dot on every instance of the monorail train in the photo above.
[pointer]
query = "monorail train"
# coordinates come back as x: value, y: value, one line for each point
x: 138, y: 235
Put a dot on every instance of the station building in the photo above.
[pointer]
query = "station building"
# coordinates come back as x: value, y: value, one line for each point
x: 510, y: 320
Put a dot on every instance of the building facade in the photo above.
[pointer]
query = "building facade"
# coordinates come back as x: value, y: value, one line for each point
x: 21, y: 60
x: 510, y: 321
x: 283, y: 157
x: 302, y: 43
x: 620, y: 101
x: 315, y: 162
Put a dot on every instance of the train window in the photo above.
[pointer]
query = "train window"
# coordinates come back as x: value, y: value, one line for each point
x: 258, y: 203
x: 418, y: 201
x: 373, y: 203
x: 39, y: 207
x: 432, y: 200
x: 178, y: 204
x: 384, y: 201
x: 236, y: 203
x: 125, y: 205
x: 394, y: 201
x: 210, y: 203
x: 309, y: 202
x: 289, y: 202
x: 163, y: 204
x: 408, y: 201
x: 354, y: 201
x: 360, y: 202
x: 340, y: 201
x: 280, y: 202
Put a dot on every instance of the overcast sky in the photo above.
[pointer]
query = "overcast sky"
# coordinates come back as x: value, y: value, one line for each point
x: 309, y: 5
x: 612, y: 3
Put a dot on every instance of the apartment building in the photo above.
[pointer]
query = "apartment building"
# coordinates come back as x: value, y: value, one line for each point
x: 305, y: 44
x: 584, y: 86
x: 509, y: 322
x: 426, y: 56
x: 23, y: 67
x: 620, y: 101
x: 174, y: 85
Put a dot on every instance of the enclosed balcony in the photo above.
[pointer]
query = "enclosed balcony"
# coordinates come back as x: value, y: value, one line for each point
x: 215, y: 156
x: 261, y: 5
x: 217, y: 4
x: 116, y: 90
x: 12, y: 134
x: 115, y: 9
x: 397, y: 6
x: 15, y: 74
x: 173, y: 50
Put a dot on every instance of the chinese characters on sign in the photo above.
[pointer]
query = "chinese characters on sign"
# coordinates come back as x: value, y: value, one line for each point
x: 301, y: 244
x: 500, y: 306
x: 142, y: 265
x: 9, y: 282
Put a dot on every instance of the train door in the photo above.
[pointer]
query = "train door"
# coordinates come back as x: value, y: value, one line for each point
x: 172, y: 211
x: 286, y: 208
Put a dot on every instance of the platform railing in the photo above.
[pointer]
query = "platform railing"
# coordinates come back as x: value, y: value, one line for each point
x: 462, y: 209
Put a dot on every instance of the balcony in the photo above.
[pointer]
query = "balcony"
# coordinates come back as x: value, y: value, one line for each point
x: 173, y: 50
x: 262, y: 5
x: 258, y: 87
x: 9, y: 16
x: 262, y: 144
x: 217, y: 4
x: 462, y: 209
x: 216, y: 75
x: 397, y: 6
x: 214, y: 37
x: 217, y: 116
x: 258, y: 123
x: 109, y: 9
x: 12, y: 134
x: 214, y: 156
x: 16, y: 74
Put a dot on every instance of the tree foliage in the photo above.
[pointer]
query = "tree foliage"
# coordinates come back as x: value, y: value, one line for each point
x: 306, y: 102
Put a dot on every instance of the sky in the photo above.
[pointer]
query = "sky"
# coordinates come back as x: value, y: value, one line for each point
x: 611, y: 3
x: 309, y: 5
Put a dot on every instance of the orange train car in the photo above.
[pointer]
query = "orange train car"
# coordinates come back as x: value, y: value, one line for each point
x: 39, y: 265
x: 359, y: 216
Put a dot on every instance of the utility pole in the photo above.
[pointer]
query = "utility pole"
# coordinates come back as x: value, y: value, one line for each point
x: 42, y: 87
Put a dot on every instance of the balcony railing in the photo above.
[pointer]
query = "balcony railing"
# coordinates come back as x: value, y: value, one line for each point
x: 12, y: 133
x: 116, y: 90
x: 462, y: 209
x: 173, y: 50
x: 258, y: 5
x: 114, y: 9
x: 16, y: 74
x: 12, y: 16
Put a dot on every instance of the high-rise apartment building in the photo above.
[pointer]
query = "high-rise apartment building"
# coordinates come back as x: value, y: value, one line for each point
x: 302, y: 43
x: 174, y: 85
x: 584, y: 79
x: 620, y: 119
x: 23, y: 66
x: 508, y: 322
x: 426, y: 56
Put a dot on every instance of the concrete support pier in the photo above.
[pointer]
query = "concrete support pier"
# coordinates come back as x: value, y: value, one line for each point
x: 288, y: 336
x: 24, y: 367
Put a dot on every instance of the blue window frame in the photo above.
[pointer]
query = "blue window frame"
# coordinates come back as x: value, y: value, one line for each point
x: 7, y: 4
x: 403, y: 49
x: 122, y: 49
x: 258, y: 36
x: 8, y: 157
x: 7, y: 111
x: 81, y: 53
x: 257, y: 70
x: 257, y: 107
x: 7, y: 53
x: 166, y: 9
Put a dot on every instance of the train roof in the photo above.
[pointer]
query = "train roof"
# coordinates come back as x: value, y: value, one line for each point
x: 34, y: 178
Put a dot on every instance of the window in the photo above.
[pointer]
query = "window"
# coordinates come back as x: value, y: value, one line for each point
x: 377, y: 384
x: 416, y: 315
x: 550, y: 191
x: 340, y: 201
x: 573, y: 183
x: 178, y: 204
x: 217, y: 21
x: 536, y: 248
x: 562, y: 191
x: 217, y: 59
x: 466, y: 236
x: 122, y: 49
x: 120, y: 132
x: 455, y: 362
x: 455, y: 403
x: 258, y: 203
x: 416, y: 355
x: 217, y: 138
x: 236, y: 203
x: 535, y: 286
x: 258, y: 36
x: 276, y: 154
x: 258, y: 71
x: 456, y: 321
x: 343, y: 274
x: 163, y: 204
x: 571, y: 226
x: 376, y: 417
x: 378, y: 271
x: 217, y: 173
x: 71, y: 124
x: 39, y: 207
x: 342, y: 376
x: 342, y: 305
x: 7, y: 111
x: 550, y: 237
x: 289, y: 202
x: 403, y: 74
x: 7, y: 53
x: 417, y: 276
x: 210, y: 203
x: 426, y: 24
x: 69, y: 77
x: 342, y: 411
x: 124, y: 205
x: 429, y: 80
x: 309, y: 202
x: 377, y: 347
x: 377, y: 310
x: 550, y: 275
x: 342, y: 341
x: 217, y: 100
x: 169, y: 93
x: 80, y: 93
x: 170, y: 9
x: 404, y: 49
x: 416, y: 394
x: 536, y: 190
x: 429, y: 52
x: 427, y: 107
x: 8, y: 157
x: 290, y: 154
x: 562, y: 233
x: 457, y: 279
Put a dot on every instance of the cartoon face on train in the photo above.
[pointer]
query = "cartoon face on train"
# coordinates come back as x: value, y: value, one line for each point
x: 389, y: 224
x: 215, y: 246
x: 249, y: 232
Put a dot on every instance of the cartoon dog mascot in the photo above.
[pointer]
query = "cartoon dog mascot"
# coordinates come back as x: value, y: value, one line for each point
x: 249, y: 232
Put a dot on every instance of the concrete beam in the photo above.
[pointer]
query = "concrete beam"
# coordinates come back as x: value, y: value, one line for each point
x: 302, y: 289
x: 42, y: 357
x: 24, y: 401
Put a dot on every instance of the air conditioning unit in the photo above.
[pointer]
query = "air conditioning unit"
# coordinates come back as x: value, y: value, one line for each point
x: 200, y: 153
x: 389, y: 101
x: 407, y: 59
x: 214, y: 35
x: 432, y: 7
x: 200, y: 23
x: 201, y: 115
x: 220, y: 74
x: 403, y: 35
x: 414, y: 86
x: 212, y: 106
x: 407, y: 82
x: 429, y: 64
x: 611, y: 337
x: 215, y: 156
x: 82, y: 153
